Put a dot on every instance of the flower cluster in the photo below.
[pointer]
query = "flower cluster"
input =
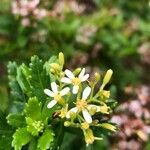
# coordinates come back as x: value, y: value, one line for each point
x: 73, y: 95
x: 29, y: 9
x: 133, y: 119
x: 24, y: 8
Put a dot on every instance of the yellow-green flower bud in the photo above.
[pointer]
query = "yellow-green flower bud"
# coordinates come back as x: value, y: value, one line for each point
x: 85, y: 126
x: 107, y: 76
x: 104, y: 109
x: 89, y: 137
x: 77, y: 71
x: 106, y: 93
x: 67, y: 123
x: 97, y: 76
x: 92, y: 111
x: 55, y: 66
x: 72, y: 115
x: 108, y: 126
x: 61, y: 58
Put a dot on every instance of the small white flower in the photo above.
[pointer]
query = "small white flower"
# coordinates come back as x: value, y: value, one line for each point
x: 76, y: 81
x: 57, y: 95
x: 82, y: 106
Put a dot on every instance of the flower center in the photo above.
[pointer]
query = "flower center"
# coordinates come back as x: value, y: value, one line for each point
x: 57, y: 97
x: 81, y: 104
x: 76, y: 81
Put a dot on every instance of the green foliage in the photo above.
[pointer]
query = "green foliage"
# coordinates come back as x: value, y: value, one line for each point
x: 21, y: 138
x: 46, y: 139
x: 27, y: 90
x: 33, y: 109
x: 5, y: 133
x: 16, y: 120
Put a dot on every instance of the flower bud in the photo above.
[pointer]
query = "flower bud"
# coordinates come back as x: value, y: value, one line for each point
x: 93, y: 110
x: 106, y: 93
x: 67, y: 123
x: 89, y: 137
x: 72, y: 115
x: 97, y: 76
x: 77, y: 71
x: 107, y: 76
x: 61, y: 58
x: 104, y: 109
x: 55, y: 66
x: 85, y: 126
x: 108, y: 126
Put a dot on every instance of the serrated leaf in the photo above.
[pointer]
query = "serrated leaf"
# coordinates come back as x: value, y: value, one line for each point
x: 33, y: 109
x: 39, y: 80
x: 45, y: 141
x: 16, y: 92
x: 20, y: 138
x: 16, y: 120
x: 23, y: 82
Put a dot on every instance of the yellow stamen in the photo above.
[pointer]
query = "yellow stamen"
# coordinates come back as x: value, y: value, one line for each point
x: 57, y: 97
x: 81, y: 104
x: 76, y: 81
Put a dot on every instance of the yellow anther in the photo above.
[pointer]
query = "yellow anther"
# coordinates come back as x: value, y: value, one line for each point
x: 81, y: 104
x: 57, y: 97
x: 76, y: 81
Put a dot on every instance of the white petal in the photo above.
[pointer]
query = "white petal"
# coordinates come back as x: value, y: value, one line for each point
x: 86, y: 93
x: 75, y: 89
x: 64, y: 91
x: 51, y: 104
x: 49, y: 92
x: 74, y: 109
x: 82, y: 73
x: 87, y: 116
x: 84, y: 78
x: 54, y: 87
x: 91, y: 105
x: 66, y: 80
x: 69, y: 74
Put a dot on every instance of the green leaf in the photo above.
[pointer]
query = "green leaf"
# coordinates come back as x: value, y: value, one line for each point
x: 16, y: 92
x: 5, y: 133
x: 33, y: 144
x: 45, y: 141
x: 16, y: 120
x: 20, y: 138
x: 22, y: 80
x: 33, y: 109
x: 5, y: 142
x: 39, y: 80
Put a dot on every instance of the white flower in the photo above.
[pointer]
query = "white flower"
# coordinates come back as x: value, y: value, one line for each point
x: 82, y: 106
x: 76, y: 81
x: 57, y: 95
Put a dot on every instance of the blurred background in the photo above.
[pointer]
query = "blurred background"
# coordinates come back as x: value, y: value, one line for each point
x: 96, y: 34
